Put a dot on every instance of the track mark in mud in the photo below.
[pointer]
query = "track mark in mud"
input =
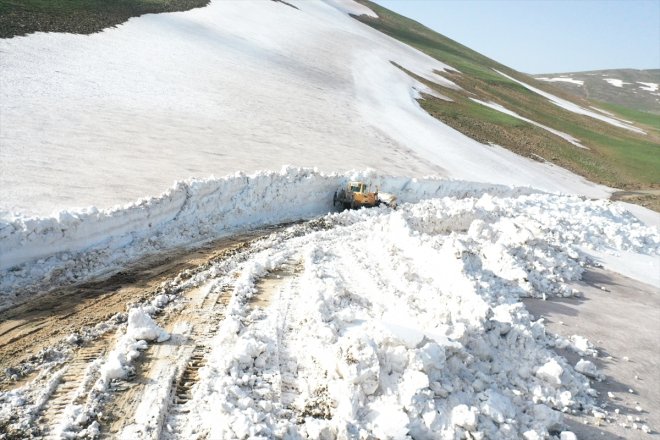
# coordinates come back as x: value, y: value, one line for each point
x: 43, y: 322
x: 67, y: 389
x: 267, y: 285
x: 203, y: 331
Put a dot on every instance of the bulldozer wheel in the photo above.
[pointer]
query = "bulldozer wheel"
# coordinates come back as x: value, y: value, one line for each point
x: 347, y: 205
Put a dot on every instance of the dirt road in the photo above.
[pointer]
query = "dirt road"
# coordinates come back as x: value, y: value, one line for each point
x: 71, y: 328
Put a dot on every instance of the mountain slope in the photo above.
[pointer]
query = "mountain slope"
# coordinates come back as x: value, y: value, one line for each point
x: 630, y: 88
x: 613, y: 156
x: 111, y: 117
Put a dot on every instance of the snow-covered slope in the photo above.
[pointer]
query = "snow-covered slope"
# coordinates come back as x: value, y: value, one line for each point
x: 115, y: 116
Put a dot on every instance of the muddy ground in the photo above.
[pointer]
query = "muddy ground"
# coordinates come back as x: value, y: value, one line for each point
x: 42, y: 322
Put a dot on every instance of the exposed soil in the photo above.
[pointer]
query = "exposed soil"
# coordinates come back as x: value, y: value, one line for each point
x: 621, y: 317
x: 647, y: 198
x: 42, y: 322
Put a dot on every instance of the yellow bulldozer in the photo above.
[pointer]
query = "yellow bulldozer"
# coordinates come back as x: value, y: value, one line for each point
x: 356, y: 195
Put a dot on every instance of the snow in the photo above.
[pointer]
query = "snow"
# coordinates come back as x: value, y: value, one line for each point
x: 78, y: 245
x: 615, y: 82
x: 500, y: 108
x: 397, y: 323
x: 567, y: 105
x: 649, y: 87
x: 141, y: 326
x: 107, y: 118
x: 645, y: 268
x: 472, y: 360
x: 589, y: 369
x: 562, y: 79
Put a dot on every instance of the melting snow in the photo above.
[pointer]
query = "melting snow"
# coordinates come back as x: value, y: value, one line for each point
x: 562, y: 79
x: 504, y: 110
x: 650, y: 87
x: 574, y: 107
x: 615, y: 82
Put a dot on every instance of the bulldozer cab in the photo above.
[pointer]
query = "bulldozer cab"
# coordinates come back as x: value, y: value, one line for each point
x: 357, y: 187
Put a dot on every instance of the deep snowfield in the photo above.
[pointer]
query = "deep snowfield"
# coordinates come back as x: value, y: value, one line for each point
x: 111, y: 117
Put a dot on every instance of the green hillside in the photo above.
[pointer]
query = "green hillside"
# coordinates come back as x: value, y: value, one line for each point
x: 615, y: 157
x: 21, y: 17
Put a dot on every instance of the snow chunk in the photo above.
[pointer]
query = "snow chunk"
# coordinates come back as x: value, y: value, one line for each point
x: 589, y: 369
x: 464, y: 416
x: 141, y: 326
x: 551, y: 372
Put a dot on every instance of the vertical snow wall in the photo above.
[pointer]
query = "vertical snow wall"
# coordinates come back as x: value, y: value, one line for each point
x: 74, y: 245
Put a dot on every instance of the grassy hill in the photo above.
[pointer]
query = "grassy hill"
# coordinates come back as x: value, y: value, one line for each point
x: 21, y: 17
x: 615, y: 157
x: 637, y: 90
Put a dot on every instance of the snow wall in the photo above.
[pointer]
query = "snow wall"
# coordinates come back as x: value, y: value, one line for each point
x: 75, y: 245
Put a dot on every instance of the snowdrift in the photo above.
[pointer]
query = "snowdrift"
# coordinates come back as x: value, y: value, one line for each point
x: 75, y: 245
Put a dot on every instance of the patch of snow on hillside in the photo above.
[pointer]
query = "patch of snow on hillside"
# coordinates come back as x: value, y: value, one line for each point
x: 615, y: 82
x: 561, y: 134
x: 569, y: 80
x: 351, y: 7
x: 567, y: 105
x: 649, y: 87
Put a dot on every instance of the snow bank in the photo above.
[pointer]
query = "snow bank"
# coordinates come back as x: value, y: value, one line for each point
x: 75, y: 245
x: 567, y: 105
x: 407, y: 323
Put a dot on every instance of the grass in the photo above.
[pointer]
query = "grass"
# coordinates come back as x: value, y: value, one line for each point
x: 615, y: 157
x: 649, y: 119
x: 21, y: 17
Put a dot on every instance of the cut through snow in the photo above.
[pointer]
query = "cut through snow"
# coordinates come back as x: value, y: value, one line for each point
x: 394, y: 323
x: 567, y: 105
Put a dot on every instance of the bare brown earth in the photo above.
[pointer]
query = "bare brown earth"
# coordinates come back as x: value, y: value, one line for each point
x: 37, y: 332
x: 40, y: 323
x: 621, y: 317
